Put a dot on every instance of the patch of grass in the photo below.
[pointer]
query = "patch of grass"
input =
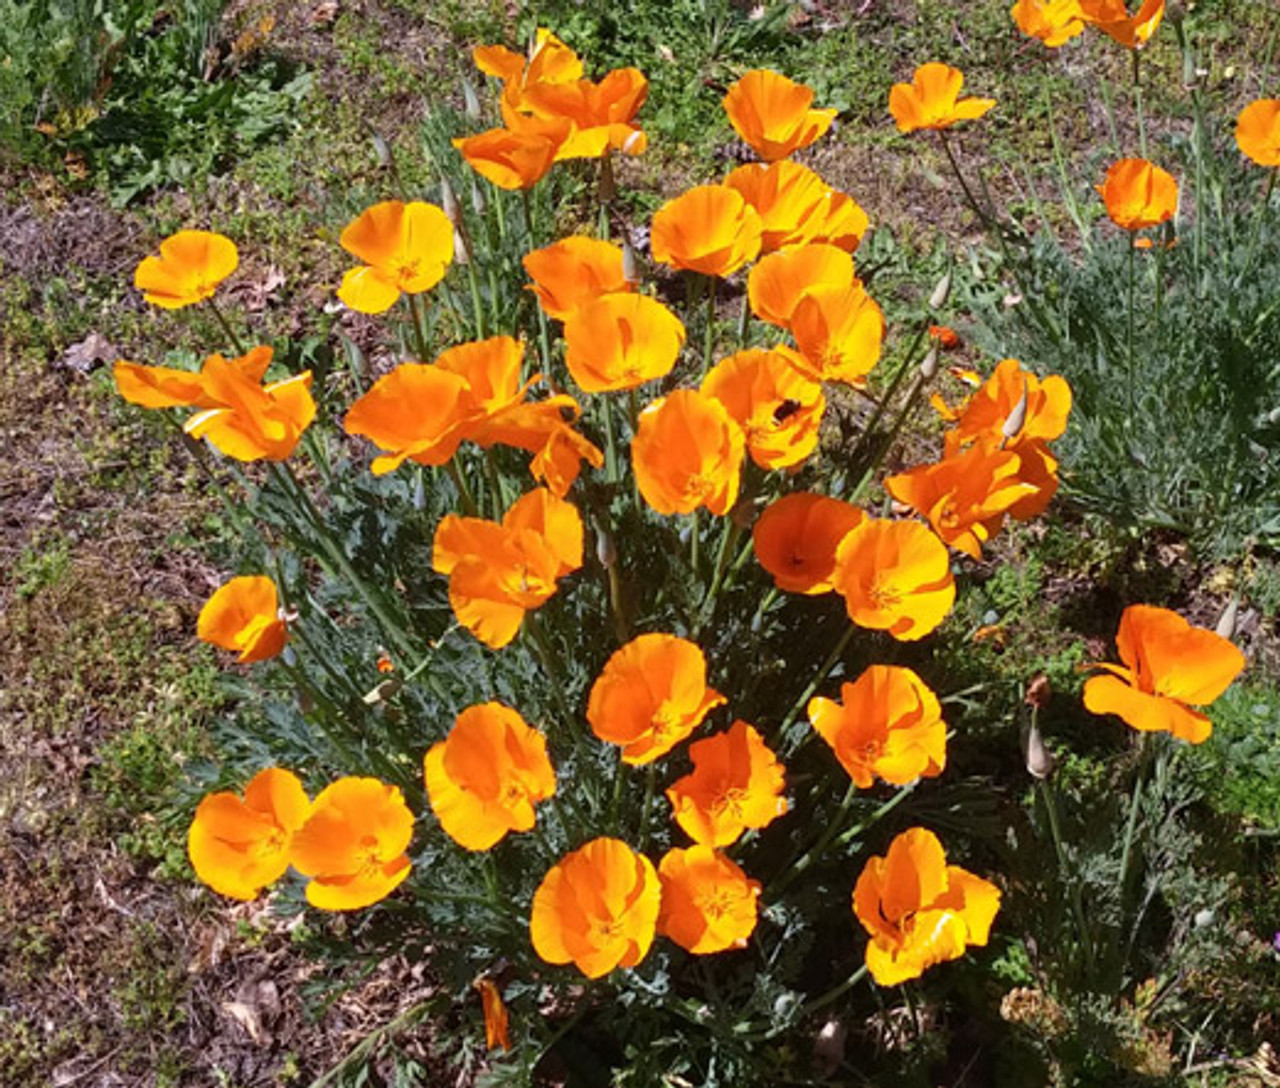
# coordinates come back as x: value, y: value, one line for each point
x: 1244, y: 754
x: 42, y: 564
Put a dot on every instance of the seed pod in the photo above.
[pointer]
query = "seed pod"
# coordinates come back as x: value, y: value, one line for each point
x: 461, y: 247
x: 606, y: 553
x: 1040, y: 761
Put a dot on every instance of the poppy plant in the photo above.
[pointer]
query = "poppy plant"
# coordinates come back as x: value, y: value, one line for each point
x: 573, y: 272
x: 243, y: 616
x: 894, y: 576
x: 1053, y: 22
x: 1113, y: 19
x: 839, y: 331
x: 484, y: 779
x: 1138, y: 194
x: 887, y: 725
x: 353, y: 844
x: 918, y: 910
x: 407, y: 248
x: 778, y: 281
x: 597, y: 908
x: 1170, y: 667
x: 687, y: 453
x: 491, y: 369
x: 651, y: 694
x: 239, y: 845
x: 252, y: 422
x: 709, y: 229
x: 774, y: 114
x: 796, y: 539
x: 932, y: 100
x: 621, y: 341
x: 1258, y: 131
x: 778, y: 409
x: 708, y: 902
x: 191, y: 265
x: 499, y: 571
x: 736, y: 783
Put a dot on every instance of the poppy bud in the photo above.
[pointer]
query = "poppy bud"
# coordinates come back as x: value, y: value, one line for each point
x: 470, y: 100
x: 1227, y: 621
x: 449, y: 202
x: 1017, y: 418
x: 941, y: 292
x: 461, y: 247
x: 383, y: 691
x: 929, y: 365
x: 478, y: 200
x: 630, y: 264
x: 1040, y: 761
x: 606, y: 553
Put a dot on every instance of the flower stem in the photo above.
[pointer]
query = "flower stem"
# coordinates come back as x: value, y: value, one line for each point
x: 1135, y: 806
x: 464, y: 492
x: 1129, y: 330
x: 419, y: 327
x: 1137, y: 100
x: 709, y: 344
x: 1257, y: 225
x: 227, y: 330
x: 1048, y: 796
x: 811, y: 687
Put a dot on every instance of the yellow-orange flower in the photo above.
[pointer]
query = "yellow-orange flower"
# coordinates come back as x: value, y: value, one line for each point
x: 932, y: 100
x: 169, y: 387
x: 491, y: 369
x: 597, y: 908
x: 417, y: 412
x: 796, y: 539
x: 709, y: 229
x: 498, y: 572
x: 237, y: 846
x: 1053, y: 22
x: 1139, y: 194
x: 839, y: 331
x: 796, y: 206
x: 774, y: 114
x: 549, y: 61
x: 191, y: 265
x: 736, y: 783
x: 964, y: 497
x: 888, y: 725
x: 542, y: 428
x: 778, y: 409
x: 620, y: 341
x: 514, y: 159
x: 243, y: 616
x: 919, y: 910
x: 1169, y: 668
x: 1113, y: 19
x: 252, y: 422
x: 484, y: 779
x: 651, y: 694
x: 496, y: 1020
x: 894, y: 576
x: 354, y: 844
x: 687, y: 453
x: 777, y: 282
x: 602, y: 114
x: 1258, y: 131
x: 708, y: 903
x: 407, y: 248
x: 573, y: 272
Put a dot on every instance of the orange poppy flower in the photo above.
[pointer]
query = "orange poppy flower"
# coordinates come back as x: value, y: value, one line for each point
x: 491, y: 369
x: 888, y: 725
x: 932, y: 100
x: 514, y: 159
x: 796, y: 539
x: 919, y: 910
x: 687, y: 453
x: 1258, y: 131
x: 651, y: 694
x: 708, y: 229
x: 252, y: 422
x: 417, y: 412
x: 1138, y: 194
x: 558, y: 460
x: 353, y: 844
x: 496, y: 1019
x: 542, y: 428
x: 597, y: 908
x: 839, y: 331
x: 574, y: 271
x: 498, y: 572
x: 708, y: 903
x: 549, y: 61
x: 945, y: 337
x: 620, y: 341
x: 243, y: 616
x: 191, y: 265
x: 602, y: 113
x: 1113, y: 19
x: 985, y: 414
x: 966, y: 496
x: 1169, y: 668
x: 169, y: 387
x: 894, y: 576
x: 484, y: 779
x: 778, y: 409
x: 1053, y: 22
x: 778, y: 281
x: 237, y: 846
x: 736, y: 783
x: 774, y: 115
x: 796, y: 206
x: 407, y: 248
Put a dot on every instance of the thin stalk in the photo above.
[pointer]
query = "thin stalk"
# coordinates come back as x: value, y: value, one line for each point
x: 477, y: 306
x: 542, y: 647
x: 812, y: 686
x: 978, y: 209
x: 227, y: 330
x: 1064, y: 180
x: 616, y: 604
x: 1129, y: 329
x: 819, y: 847
x: 464, y: 492
x: 527, y: 201
x: 727, y: 540
x: 879, y: 814
x: 610, y: 443
x: 1137, y: 100
x: 695, y: 534
x: 1135, y: 805
x: 907, y: 407
x: 419, y: 327
x: 497, y: 491
x: 1257, y: 225
x: 650, y: 784
x: 1047, y: 795
x: 709, y: 344
x: 744, y: 324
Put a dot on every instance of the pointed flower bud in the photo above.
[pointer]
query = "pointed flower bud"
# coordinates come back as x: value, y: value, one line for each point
x: 1227, y: 621
x: 461, y: 247
x: 470, y: 100
x: 630, y: 264
x: 1014, y: 422
x: 929, y: 365
x: 1040, y: 761
x: 449, y: 202
x: 941, y: 292
x: 606, y: 552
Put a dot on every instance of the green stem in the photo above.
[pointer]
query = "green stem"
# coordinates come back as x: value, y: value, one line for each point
x: 709, y: 344
x: 610, y: 443
x: 818, y: 677
x: 819, y: 847
x: 227, y: 330
x: 498, y: 493
x: 1137, y: 100
x: 477, y: 306
x: 695, y: 534
x: 978, y: 209
x: 1257, y: 225
x: 650, y: 784
x: 1068, y: 194
x: 1129, y: 328
x: 419, y: 327
x: 728, y: 538
x: 527, y: 202
x: 907, y: 408
x: 547, y: 655
x: 464, y: 492
x: 1047, y: 795
x: 744, y: 323
x: 1135, y: 806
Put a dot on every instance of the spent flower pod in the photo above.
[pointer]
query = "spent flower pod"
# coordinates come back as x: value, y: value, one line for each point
x: 381, y: 150
x: 461, y: 246
x: 1040, y: 761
